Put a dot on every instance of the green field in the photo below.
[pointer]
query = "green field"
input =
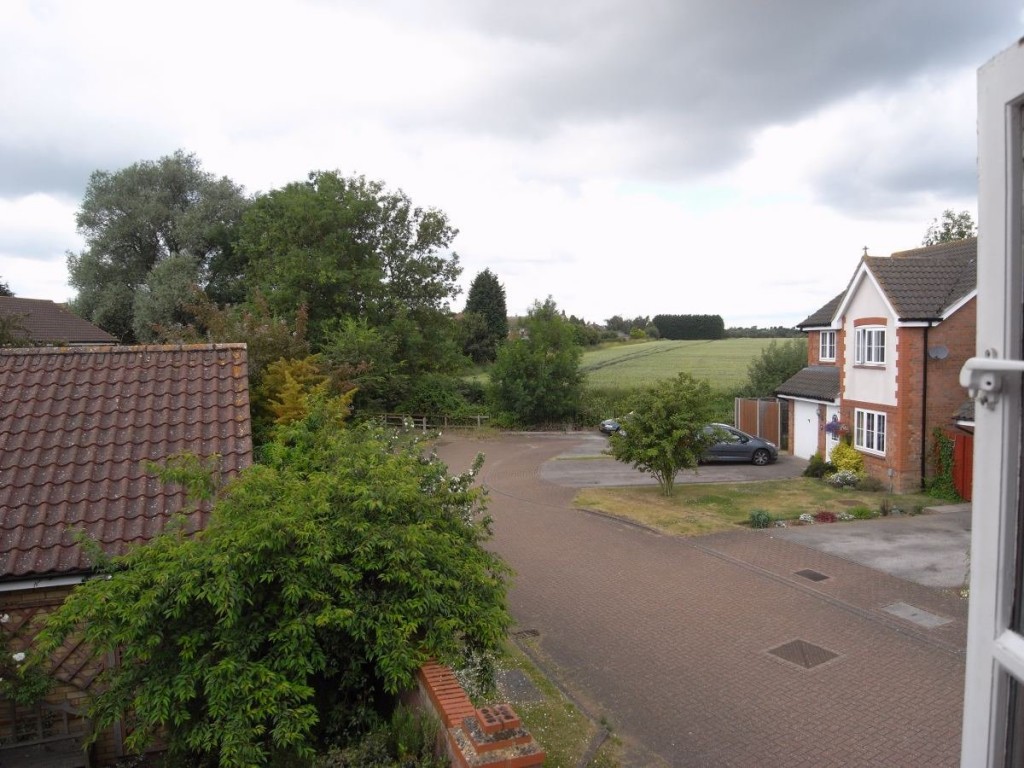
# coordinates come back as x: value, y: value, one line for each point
x: 723, y: 362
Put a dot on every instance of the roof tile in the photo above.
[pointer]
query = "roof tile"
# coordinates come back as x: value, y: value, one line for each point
x: 46, y: 322
x: 815, y: 382
x: 77, y: 428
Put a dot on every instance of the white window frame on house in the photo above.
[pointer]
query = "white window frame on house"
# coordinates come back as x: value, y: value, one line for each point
x: 993, y: 725
x: 827, y: 346
x: 869, y: 345
x: 869, y: 431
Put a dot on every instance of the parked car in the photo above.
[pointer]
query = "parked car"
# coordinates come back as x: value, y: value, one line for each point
x: 736, y: 445
x: 610, y: 427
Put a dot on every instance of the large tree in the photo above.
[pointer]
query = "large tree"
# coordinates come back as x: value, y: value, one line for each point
x: 667, y: 429
x: 536, y: 379
x: 326, y: 576
x: 349, y: 248
x: 485, y: 300
x: 134, y: 219
x: 951, y: 226
x: 5, y: 289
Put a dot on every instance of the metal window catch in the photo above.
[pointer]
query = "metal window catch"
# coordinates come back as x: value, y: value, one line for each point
x: 983, y: 377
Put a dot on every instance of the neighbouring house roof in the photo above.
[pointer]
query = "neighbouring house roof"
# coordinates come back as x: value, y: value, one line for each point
x: 822, y: 318
x: 965, y: 413
x: 815, y: 382
x: 924, y: 283
x: 77, y: 426
x: 47, y: 322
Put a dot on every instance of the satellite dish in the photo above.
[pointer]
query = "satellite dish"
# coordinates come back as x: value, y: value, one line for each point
x: 938, y: 352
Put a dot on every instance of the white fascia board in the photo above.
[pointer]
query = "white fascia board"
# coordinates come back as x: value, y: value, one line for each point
x: 837, y: 401
x: 859, y: 276
x: 957, y: 305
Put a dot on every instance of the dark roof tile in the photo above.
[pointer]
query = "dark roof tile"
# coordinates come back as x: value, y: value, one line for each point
x: 77, y: 427
x: 822, y: 316
x: 815, y: 382
x: 922, y: 284
x: 46, y: 322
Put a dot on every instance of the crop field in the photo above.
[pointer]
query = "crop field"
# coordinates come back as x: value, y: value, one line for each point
x: 723, y: 362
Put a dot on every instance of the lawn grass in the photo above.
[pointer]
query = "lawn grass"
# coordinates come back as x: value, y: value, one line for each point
x: 723, y: 362
x: 698, y: 508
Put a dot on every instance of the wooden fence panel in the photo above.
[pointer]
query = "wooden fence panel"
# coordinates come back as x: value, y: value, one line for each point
x: 963, y: 464
x: 759, y: 416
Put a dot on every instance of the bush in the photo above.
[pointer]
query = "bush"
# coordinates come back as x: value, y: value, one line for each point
x: 824, y: 516
x: 844, y: 478
x: 846, y: 457
x: 408, y: 740
x: 870, y: 484
x: 818, y: 467
x: 863, y: 513
x: 759, y: 518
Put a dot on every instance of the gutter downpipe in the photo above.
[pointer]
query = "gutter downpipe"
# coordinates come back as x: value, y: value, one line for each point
x: 924, y: 406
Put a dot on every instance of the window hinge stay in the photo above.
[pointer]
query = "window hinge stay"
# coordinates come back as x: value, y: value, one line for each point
x: 983, y: 376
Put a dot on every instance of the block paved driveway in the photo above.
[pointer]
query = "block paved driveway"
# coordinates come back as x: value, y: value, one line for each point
x: 670, y: 638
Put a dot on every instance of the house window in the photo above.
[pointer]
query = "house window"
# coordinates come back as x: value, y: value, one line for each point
x: 827, y: 350
x: 869, y: 431
x: 869, y: 345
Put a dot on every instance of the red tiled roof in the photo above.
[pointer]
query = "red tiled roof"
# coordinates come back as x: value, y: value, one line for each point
x: 77, y: 426
x: 47, y: 322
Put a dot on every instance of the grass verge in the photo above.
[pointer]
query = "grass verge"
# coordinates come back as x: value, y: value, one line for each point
x: 698, y: 508
x: 564, y: 732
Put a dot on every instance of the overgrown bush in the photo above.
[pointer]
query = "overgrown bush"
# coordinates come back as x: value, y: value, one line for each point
x: 846, y: 457
x: 409, y: 740
x: 824, y: 516
x: 817, y: 467
x: 941, y: 485
x: 759, y: 518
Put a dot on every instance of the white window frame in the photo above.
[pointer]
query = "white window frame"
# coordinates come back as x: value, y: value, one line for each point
x: 827, y: 346
x: 869, y: 345
x: 995, y: 652
x: 869, y: 431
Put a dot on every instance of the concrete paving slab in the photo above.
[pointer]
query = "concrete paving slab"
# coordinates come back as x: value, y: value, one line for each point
x: 927, y: 549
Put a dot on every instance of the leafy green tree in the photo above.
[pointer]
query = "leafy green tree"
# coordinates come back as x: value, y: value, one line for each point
x: 349, y: 248
x: 776, y: 363
x: 666, y: 430
x: 5, y: 289
x: 141, y: 215
x: 326, y: 576
x: 486, y: 299
x: 13, y: 332
x: 949, y: 227
x: 537, y: 379
x: 161, y: 303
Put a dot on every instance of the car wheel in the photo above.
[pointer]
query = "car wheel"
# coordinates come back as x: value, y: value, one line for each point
x: 761, y: 457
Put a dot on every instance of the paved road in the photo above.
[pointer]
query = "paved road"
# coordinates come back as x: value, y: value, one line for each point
x: 672, y: 639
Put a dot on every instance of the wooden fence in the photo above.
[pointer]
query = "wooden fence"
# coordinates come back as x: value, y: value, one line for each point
x: 760, y: 417
x: 434, y: 423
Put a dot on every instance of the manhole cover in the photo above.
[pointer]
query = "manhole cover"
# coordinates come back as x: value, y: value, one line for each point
x: 803, y: 654
x: 527, y: 633
x: 807, y: 573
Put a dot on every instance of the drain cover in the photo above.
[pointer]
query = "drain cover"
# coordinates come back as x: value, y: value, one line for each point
x: 803, y: 654
x: 807, y: 573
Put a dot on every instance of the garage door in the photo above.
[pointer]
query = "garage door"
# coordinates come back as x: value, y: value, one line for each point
x: 805, y: 429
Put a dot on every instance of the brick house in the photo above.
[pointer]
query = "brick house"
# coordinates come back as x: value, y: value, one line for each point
x: 884, y: 358
x: 46, y: 323
x: 77, y: 427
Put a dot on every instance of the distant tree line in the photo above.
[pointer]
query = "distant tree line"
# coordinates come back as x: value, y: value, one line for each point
x: 690, y: 326
x: 756, y: 332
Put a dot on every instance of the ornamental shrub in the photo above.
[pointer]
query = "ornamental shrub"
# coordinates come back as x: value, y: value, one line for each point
x: 844, y: 478
x: 863, y: 513
x: 759, y: 518
x: 818, y: 467
x: 845, y: 456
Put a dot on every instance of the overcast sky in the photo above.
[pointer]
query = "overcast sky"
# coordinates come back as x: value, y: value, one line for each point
x: 623, y: 156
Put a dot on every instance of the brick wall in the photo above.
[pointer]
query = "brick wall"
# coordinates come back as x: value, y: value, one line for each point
x: 813, y: 347
x: 72, y: 668
x: 483, y: 738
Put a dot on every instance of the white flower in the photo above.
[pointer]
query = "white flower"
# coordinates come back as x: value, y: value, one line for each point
x: 4, y: 618
x: 19, y: 656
